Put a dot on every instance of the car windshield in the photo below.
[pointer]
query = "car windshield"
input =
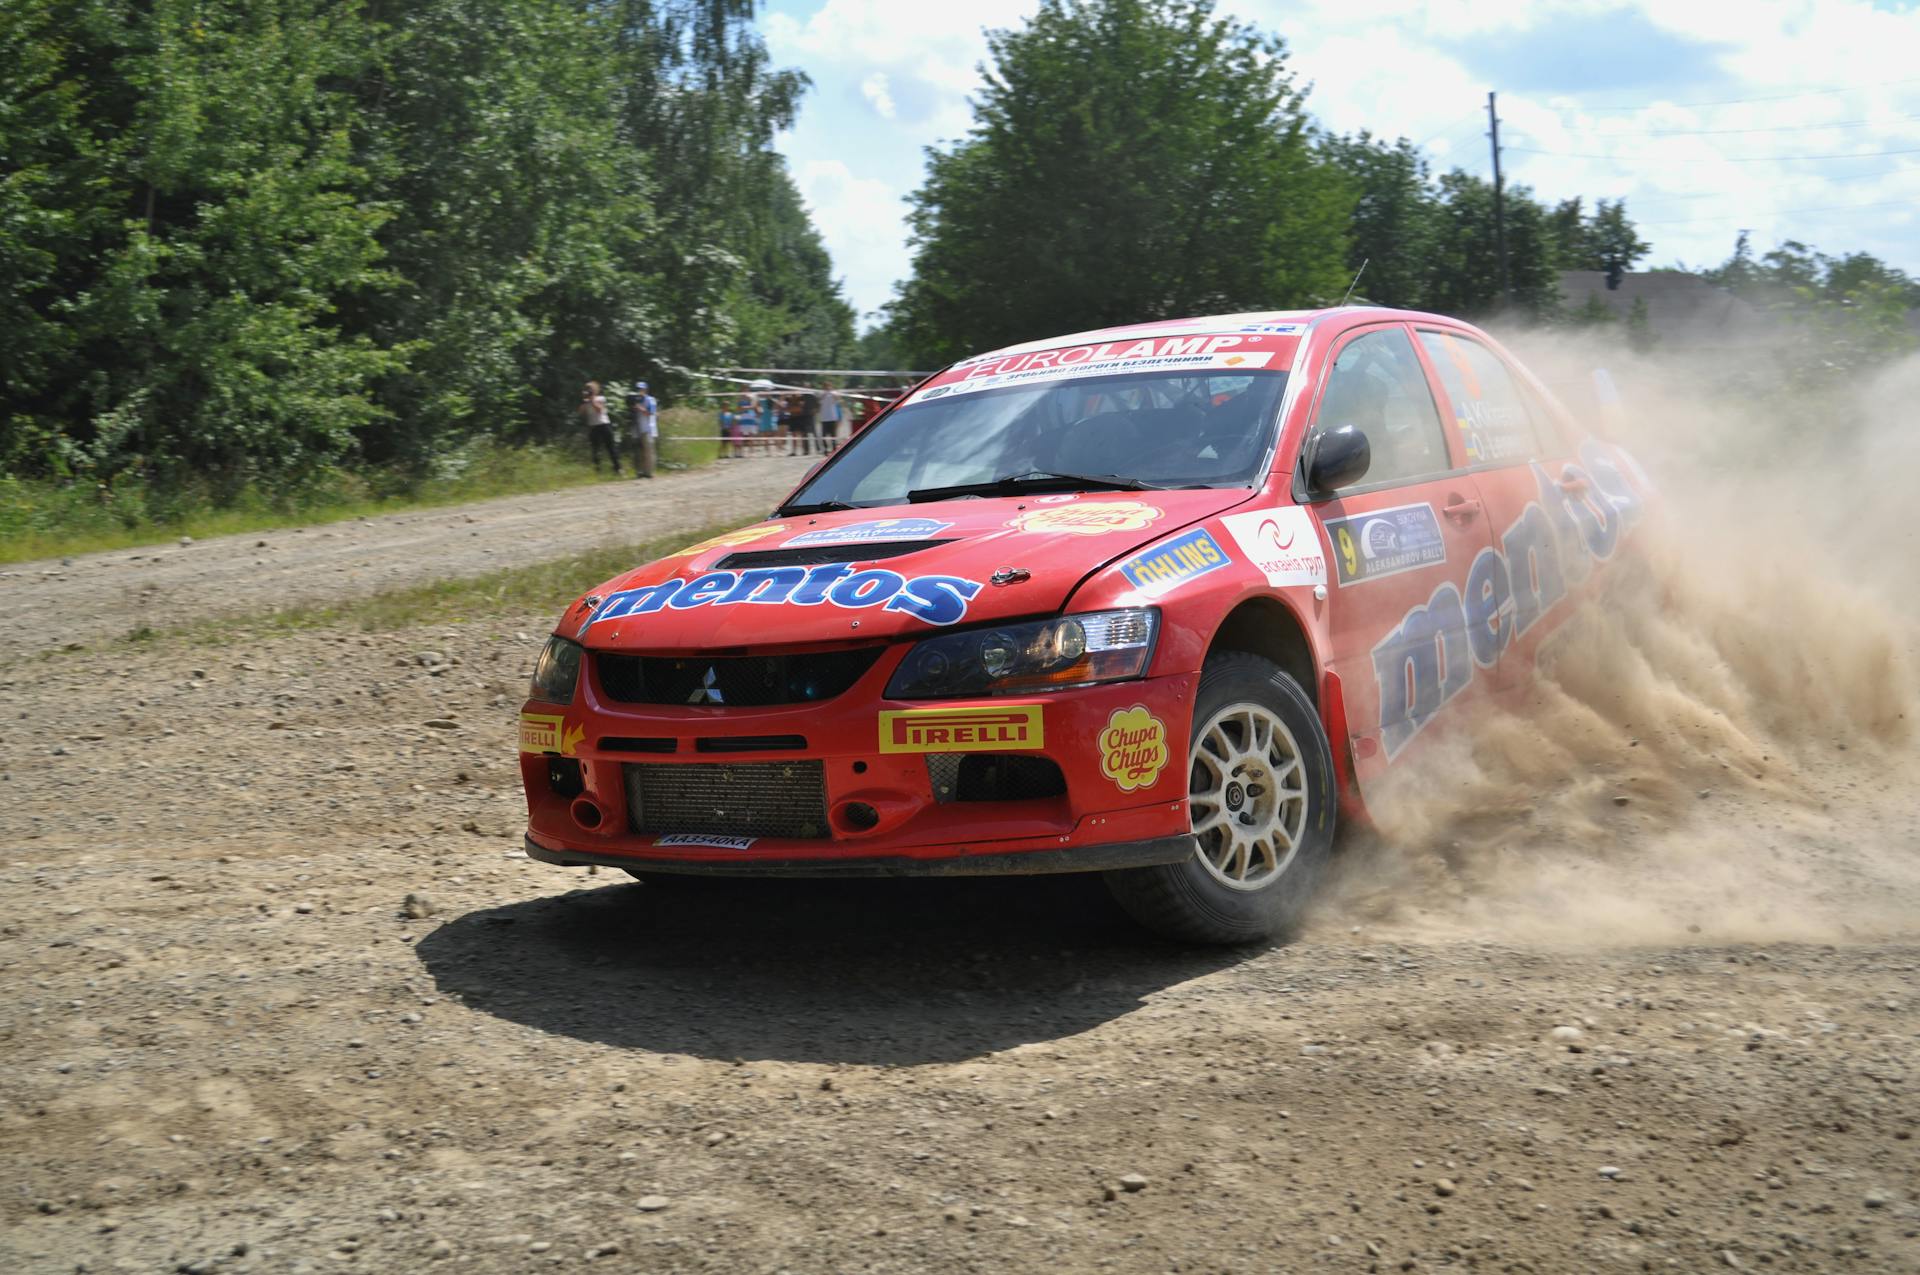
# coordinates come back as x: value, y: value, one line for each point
x: 1140, y: 430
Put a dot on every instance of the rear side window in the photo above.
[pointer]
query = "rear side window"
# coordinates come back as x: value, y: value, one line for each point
x: 1377, y: 386
x: 1488, y: 409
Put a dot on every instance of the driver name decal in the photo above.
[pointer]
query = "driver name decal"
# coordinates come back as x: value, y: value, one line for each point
x: 935, y: 599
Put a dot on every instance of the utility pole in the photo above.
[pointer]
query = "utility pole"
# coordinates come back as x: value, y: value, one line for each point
x: 1499, y: 202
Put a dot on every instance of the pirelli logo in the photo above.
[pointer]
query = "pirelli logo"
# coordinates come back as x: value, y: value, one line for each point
x: 962, y: 730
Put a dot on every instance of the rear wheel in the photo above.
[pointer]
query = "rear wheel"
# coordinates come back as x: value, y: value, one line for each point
x: 1260, y: 794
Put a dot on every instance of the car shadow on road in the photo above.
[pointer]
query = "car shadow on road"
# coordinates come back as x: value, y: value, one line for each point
x: 890, y: 972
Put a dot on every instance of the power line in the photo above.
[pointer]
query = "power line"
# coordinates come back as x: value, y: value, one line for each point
x: 1778, y: 212
x: 1695, y: 159
x: 1782, y: 128
x: 1742, y: 101
x: 1721, y: 194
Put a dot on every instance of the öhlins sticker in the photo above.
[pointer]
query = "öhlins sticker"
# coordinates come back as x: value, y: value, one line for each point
x: 549, y: 733
x: 1133, y: 748
x: 1012, y: 727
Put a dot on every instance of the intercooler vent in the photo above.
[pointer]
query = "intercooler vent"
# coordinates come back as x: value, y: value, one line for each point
x: 729, y: 799
x: 635, y: 744
x: 751, y: 744
x: 993, y: 777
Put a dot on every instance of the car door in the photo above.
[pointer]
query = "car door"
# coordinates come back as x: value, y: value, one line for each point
x: 1401, y: 540
x: 1557, y: 505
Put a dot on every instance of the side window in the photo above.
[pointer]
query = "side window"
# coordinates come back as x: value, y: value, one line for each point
x: 1489, y: 411
x: 1377, y: 386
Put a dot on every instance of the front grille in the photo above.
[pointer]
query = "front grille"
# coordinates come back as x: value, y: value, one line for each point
x: 805, y: 557
x: 747, y: 681
x: 732, y: 799
x: 993, y: 777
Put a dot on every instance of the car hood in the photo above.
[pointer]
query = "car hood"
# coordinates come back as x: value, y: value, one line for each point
x: 873, y: 574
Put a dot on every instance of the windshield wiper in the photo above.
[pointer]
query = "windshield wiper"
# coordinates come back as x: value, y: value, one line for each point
x: 819, y: 507
x: 1034, y: 480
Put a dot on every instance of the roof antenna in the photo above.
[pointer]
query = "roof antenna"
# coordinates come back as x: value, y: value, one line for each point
x: 1356, y: 279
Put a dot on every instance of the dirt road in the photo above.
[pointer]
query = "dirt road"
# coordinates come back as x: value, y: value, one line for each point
x: 231, y: 1043
x: 106, y: 594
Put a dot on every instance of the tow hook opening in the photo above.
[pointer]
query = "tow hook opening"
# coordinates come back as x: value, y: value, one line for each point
x: 587, y: 814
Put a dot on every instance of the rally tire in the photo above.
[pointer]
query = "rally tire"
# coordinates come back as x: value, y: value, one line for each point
x: 1193, y: 902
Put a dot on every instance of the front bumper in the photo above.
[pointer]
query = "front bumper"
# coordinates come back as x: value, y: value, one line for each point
x: 1129, y: 854
x: 1116, y: 807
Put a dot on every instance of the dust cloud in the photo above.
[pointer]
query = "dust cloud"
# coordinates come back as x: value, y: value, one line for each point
x: 1722, y: 745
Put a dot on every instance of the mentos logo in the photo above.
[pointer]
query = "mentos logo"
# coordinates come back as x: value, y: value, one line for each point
x: 878, y: 531
x: 1431, y: 655
x: 1174, y: 562
x: 935, y: 599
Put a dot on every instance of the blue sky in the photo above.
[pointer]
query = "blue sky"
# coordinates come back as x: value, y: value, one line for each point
x: 1702, y: 115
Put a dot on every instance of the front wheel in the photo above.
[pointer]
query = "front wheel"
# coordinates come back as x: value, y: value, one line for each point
x: 1260, y: 794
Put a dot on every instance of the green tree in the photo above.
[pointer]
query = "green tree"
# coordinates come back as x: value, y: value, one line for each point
x: 1612, y: 244
x: 1393, y: 230
x: 200, y: 221
x: 1129, y: 159
x: 1464, y: 268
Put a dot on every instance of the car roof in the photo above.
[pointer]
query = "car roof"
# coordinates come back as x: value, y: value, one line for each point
x: 1253, y: 320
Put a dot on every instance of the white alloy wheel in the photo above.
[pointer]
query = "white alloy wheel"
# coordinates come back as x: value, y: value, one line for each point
x: 1247, y: 791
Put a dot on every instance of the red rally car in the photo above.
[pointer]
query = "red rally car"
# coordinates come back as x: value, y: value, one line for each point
x: 1159, y: 601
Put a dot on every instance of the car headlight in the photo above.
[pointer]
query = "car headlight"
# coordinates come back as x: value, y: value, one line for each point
x: 558, y: 671
x: 1048, y: 655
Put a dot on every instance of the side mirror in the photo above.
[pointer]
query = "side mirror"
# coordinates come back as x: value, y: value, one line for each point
x: 812, y: 470
x: 1336, y: 458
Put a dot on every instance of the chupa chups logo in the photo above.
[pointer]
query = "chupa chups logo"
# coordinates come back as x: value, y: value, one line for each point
x: 1009, y: 728
x: 878, y: 531
x: 1133, y: 748
x: 1089, y: 518
x: 549, y: 733
x: 1174, y: 561
x: 746, y: 535
x: 935, y: 599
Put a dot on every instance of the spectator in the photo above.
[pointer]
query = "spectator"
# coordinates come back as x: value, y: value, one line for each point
x: 809, y: 414
x: 768, y: 418
x: 831, y: 414
x: 645, y: 409
x: 737, y: 427
x: 593, y: 412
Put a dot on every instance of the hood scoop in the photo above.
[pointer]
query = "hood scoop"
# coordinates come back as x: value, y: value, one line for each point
x: 811, y: 557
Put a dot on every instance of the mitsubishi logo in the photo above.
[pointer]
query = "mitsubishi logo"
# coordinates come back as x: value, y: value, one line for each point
x: 708, y: 692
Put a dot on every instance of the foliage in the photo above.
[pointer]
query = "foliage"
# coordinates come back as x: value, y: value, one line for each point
x: 1129, y: 159
x: 1429, y: 244
x: 1843, y: 314
x: 244, y: 242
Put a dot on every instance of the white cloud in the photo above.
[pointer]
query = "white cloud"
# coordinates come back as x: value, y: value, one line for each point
x: 874, y: 89
x: 860, y: 220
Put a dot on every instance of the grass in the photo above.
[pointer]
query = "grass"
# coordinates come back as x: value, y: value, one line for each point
x: 534, y: 588
x: 52, y: 520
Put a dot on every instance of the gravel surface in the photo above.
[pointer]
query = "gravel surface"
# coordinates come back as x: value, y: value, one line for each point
x: 284, y: 995
x: 106, y: 594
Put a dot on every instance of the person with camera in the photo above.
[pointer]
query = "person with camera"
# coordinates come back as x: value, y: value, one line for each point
x: 593, y: 412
